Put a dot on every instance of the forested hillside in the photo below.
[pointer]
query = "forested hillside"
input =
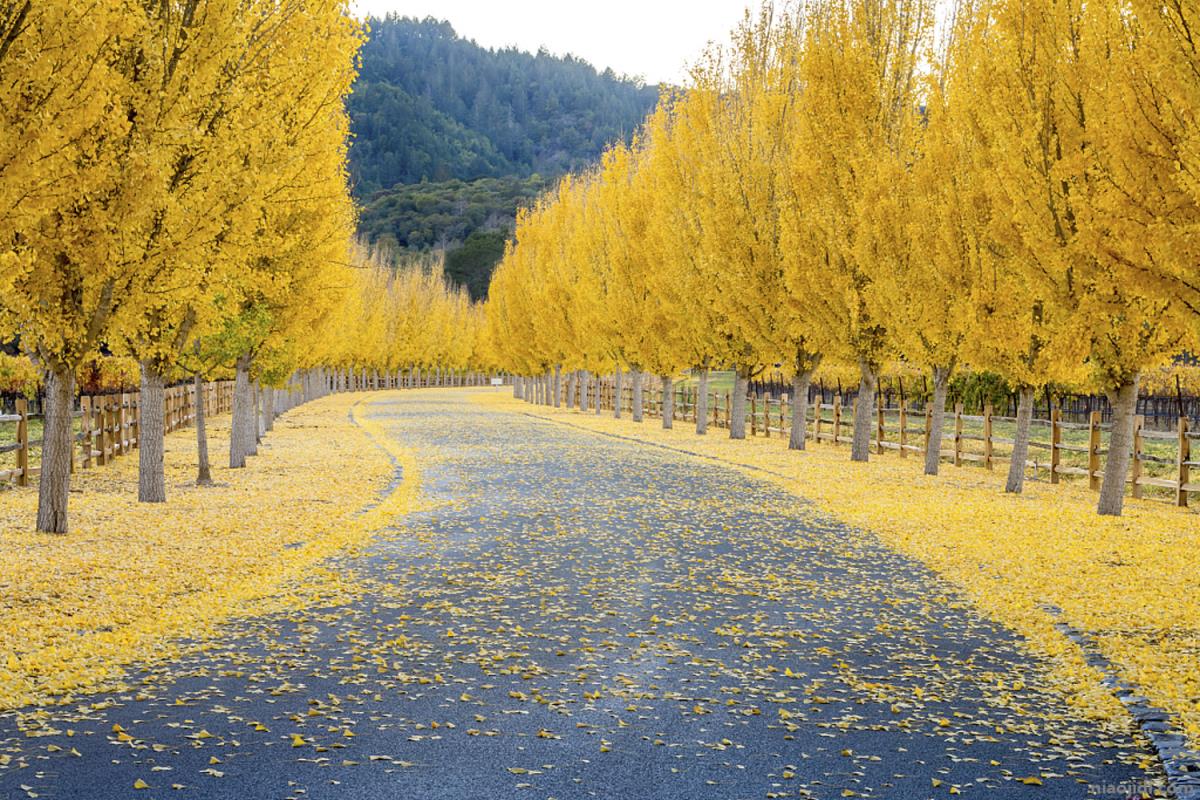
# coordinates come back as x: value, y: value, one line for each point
x: 468, y: 219
x: 437, y: 119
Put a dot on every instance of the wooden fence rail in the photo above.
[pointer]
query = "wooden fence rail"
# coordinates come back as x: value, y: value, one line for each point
x: 1059, y: 449
x: 108, y: 426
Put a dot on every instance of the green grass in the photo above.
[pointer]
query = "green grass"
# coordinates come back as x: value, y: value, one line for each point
x: 720, y: 382
x: 8, y: 435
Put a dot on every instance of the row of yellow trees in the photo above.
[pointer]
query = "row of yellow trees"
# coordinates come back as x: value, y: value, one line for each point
x: 405, y: 316
x: 173, y: 189
x: 1015, y: 189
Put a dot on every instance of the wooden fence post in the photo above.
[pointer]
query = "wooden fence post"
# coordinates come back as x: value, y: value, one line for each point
x: 958, y: 434
x: 23, y: 441
x: 817, y: 418
x: 882, y: 432
x: 1055, y: 441
x: 928, y: 425
x: 1185, y: 453
x: 85, y: 410
x: 1135, y: 473
x: 837, y: 417
x: 903, y: 431
x: 99, y: 410
x: 987, y: 436
x: 1094, y: 451
x: 727, y: 396
x: 753, y: 415
x: 119, y: 424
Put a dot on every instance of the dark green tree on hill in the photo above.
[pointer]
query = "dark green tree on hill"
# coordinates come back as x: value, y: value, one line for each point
x: 451, y: 138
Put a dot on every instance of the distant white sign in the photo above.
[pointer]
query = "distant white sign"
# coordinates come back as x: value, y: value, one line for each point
x: 497, y: 381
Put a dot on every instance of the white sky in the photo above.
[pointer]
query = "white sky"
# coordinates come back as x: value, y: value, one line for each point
x: 651, y: 39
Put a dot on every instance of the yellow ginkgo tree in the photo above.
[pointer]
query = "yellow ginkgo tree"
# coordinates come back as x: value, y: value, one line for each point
x: 1045, y: 102
x: 858, y: 114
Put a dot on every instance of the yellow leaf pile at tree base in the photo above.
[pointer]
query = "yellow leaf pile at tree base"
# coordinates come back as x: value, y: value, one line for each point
x: 131, y: 583
x: 1128, y: 581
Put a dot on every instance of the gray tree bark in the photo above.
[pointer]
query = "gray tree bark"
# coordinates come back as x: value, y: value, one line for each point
x: 259, y: 426
x: 269, y: 406
x: 54, y: 485
x: 597, y: 388
x: 558, y: 385
x: 702, y: 402
x: 933, y: 456
x: 1020, y: 451
x: 242, y: 433
x: 737, y: 410
x: 571, y: 378
x: 635, y: 377
x: 618, y: 387
x: 585, y: 378
x: 1123, y: 400
x: 152, y: 483
x: 799, y: 432
x: 668, y: 403
x: 203, y: 468
x: 864, y: 416
x: 517, y: 388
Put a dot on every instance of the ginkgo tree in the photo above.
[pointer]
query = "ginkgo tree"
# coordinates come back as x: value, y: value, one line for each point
x: 182, y: 129
x: 858, y: 113
x: 1045, y: 101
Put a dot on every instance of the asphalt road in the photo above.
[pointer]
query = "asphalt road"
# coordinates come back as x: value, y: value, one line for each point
x: 575, y: 616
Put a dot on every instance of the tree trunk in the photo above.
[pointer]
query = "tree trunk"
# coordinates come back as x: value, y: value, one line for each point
x: 618, y: 387
x: 864, y: 416
x: 242, y: 434
x: 1020, y: 451
x: 635, y: 376
x: 800, y: 384
x: 598, y: 389
x: 585, y: 378
x: 517, y: 393
x: 702, y: 402
x: 1123, y: 400
x: 54, y: 485
x: 152, y: 483
x: 668, y: 402
x: 571, y: 389
x: 269, y: 407
x: 737, y: 410
x: 203, y: 469
x: 558, y: 385
x: 933, y: 456
x: 258, y: 417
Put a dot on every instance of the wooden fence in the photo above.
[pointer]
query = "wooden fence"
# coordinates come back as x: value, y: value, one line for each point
x: 1161, y: 461
x: 353, y: 380
x: 108, y: 426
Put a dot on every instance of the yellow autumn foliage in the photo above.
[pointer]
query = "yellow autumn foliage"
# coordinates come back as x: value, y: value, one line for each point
x: 133, y: 581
